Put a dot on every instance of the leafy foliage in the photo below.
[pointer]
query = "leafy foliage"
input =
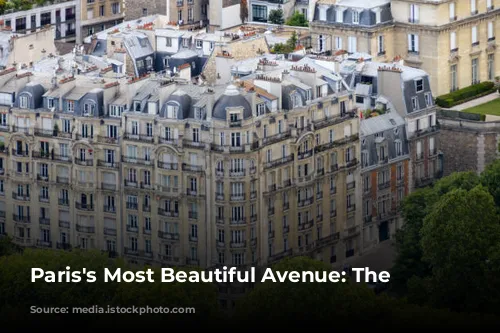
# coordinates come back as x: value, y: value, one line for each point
x: 288, y: 47
x: 292, y: 304
x: 276, y: 16
x: 297, y: 20
x: 448, y: 250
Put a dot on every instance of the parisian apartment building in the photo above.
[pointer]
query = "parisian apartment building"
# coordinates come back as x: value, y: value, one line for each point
x: 73, y: 19
x: 178, y: 174
x: 453, y: 41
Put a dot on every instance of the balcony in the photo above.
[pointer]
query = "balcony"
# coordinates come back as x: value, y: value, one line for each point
x: 168, y: 141
x: 286, y: 205
x: 193, y: 215
x: 193, y: 144
x: 287, y: 183
x: 63, y: 202
x: 132, y: 205
x: 109, y: 209
x: 192, y: 167
x: 384, y: 185
x: 304, y: 155
x: 135, y: 160
x: 279, y: 256
x: 84, y: 206
x: 235, y: 123
x: 20, y: 196
x: 43, y: 243
x: 41, y: 155
x: 236, y: 149
x: 108, y: 186
x: 131, y: 183
x: 48, y: 133
x: 433, y: 152
x: 270, y: 234
x: 368, y: 219
x: 286, y: 229
x: 219, y: 219
x: 84, y: 162
x: 305, y: 202
x: 351, y: 208
x: 319, y: 195
x: 62, y: 180
x: 383, y: 160
x: 238, y: 197
x: 238, y: 244
x: 139, y: 137
x: 132, y: 228
x: 191, y: 192
x: 64, y: 224
x: 43, y: 178
x: 21, y: 219
x: 85, y: 229
x: 168, y: 213
x: 168, y: 235
x: 334, y: 168
x: 238, y: 221
x: 328, y: 240
x: 270, y: 211
x: 351, y: 163
x: 253, y: 195
x: 219, y: 196
x: 237, y: 173
x: 146, y: 208
x: 107, y: 139
x: 306, y: 226
x: 276, y: 138
x: 108, y: 164
x: 44, y: 221
x: 279, y: 162
x: 168, y: 166
x: 336, y: 143
x: 24, y: 130
x: 20, y: 153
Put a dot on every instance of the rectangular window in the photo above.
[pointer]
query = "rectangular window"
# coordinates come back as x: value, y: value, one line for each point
x: 474, y: 35
x: 413, y: 43
x: 475, y: 70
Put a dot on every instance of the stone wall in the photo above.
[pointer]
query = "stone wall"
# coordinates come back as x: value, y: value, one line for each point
x: 134, y: 8
x: 239, y: 50
x: 468, y: 145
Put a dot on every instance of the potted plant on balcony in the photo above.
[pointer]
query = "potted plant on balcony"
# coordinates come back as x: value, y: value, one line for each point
x: 56, y: 129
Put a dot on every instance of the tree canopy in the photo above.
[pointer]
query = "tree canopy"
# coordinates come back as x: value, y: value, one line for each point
x: 448, y: 250
x: 276, y: 16
x: 288, y: 47
x: 297, y: 20
x: 292, y: 304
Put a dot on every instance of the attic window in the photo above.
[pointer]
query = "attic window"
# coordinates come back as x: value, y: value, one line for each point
x: 199, y: 43
x: 185, y: 42
x: 23, y: 102
x: 419, y: 85
x: 88, y: 109
x: 199, y: 113
x: 137, y: 106
x: 261, y: 109
x: 172, y: 111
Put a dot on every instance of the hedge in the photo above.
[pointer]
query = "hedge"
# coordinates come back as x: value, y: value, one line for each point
x: 465, y: 94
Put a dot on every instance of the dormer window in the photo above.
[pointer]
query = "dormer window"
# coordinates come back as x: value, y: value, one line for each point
x: 50, y: 103
x: 172, y: 111
x: 355, y: 17
x: 261, y: 109
x: 199, y: 113
x: 88, y: 109
x: 364, y: 158
x: 149, y: 62
x: 24, y: 102
x: 137, y: 106
x: 185, y: 42
x: 115, y: 110
x: 199, y: 43
x: 414, y: 103
x: 70, y: 106
x: 419, y: 85
x: 296, y: 101
x: 381, y: 154
x: 212, y: 45
x: 428, y: 99
x: 399, y: 147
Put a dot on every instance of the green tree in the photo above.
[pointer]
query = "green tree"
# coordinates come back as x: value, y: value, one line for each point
x: 288, y: 47
x: 297, y: 20
x: 276, y: 16
x: 293, y: 304
x: 491, y: 179
x: 459, y: 238
x: 7, y: 247
x: 415, y: 208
